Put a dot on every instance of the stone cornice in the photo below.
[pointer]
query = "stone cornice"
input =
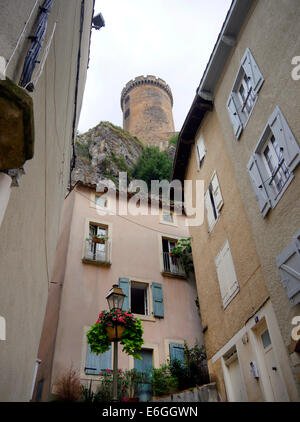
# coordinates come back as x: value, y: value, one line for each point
x: 145, y: 80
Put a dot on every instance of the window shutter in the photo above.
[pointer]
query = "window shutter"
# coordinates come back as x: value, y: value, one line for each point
x: 288, y: 263
x: 201, y: 150
x: 226, y: 273
x: 209, y: 211
x: 158, y: 302
x: 258, y: 186
x: 95, y: 363
x: 285, y: 139
x: 252, y: 71
x: 217, y: 192
x: 124, y: 283
x: 234, y: 116
x: 176, y: 352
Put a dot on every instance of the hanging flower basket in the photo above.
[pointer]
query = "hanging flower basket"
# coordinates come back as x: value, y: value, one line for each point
x: 129, y: 332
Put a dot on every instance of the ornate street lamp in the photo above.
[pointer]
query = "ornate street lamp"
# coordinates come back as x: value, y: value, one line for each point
x: 115, y: 299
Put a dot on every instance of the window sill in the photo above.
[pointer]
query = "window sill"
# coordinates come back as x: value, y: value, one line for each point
x: 97, y: 263
x: 142, y: 317
x: 173, y: 275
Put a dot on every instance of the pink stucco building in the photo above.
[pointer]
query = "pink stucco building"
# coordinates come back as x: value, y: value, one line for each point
x: 135, y: 256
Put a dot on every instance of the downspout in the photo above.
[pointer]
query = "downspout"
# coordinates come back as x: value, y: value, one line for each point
x: 5, y: 189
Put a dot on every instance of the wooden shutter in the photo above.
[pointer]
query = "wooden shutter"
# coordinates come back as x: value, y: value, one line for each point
x: 201, y: 150
x: 285, y: 139
x: 258, y: 185
x: 234, y: 116
x: 94, y: 364
x: 217, y: 192
x: 226, y: 273
x: 252, y: 71
x: 209, y: 211
x: 176, y: 352
x: 288, y: 263
x: 158, y: 301
x: 124, y: 283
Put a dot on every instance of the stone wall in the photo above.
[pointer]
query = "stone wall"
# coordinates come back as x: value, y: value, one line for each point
x: 147, y: 110
x: 206, y: 393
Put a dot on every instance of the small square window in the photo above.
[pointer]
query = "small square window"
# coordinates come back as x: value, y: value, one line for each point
x: 265, y: 338
x: 167, y: 217
x: 101, y: 200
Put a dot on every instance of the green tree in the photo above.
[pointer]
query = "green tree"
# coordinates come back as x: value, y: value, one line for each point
x: 153, y: 164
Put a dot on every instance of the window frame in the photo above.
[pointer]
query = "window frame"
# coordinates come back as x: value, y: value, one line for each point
x: 247, y: 65
x: 100, y: 223
x: 215, y: 211
x: 200, y: 160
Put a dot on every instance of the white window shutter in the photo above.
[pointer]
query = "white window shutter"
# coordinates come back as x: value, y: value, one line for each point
x: 258, y: 185
x: 285, y: 139
x: 201, y: 150
x: 252, y: 71
x: 226, y: 274
x: 288, y: 263
x: 217, y: 192
x: 234, y: 116
x: 209, y: 211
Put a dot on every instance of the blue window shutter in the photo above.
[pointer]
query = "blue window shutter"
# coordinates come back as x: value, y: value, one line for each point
x: 176, y: 352
x: 258, y: 185
x: 158, y: 301
x: 252, y: 71
x: 285, y: 139
x: 94, y: 364
x: 124, y: 283
x: 234, y: 116
x: 288, y: 263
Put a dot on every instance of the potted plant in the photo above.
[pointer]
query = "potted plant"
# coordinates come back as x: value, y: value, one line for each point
x: 99, y: 238
x: 129, y: 332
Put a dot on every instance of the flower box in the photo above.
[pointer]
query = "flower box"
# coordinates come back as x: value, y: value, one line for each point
x: 98, y: 240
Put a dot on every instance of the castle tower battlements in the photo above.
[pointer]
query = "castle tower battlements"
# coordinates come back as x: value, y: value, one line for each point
x: 147, y: 102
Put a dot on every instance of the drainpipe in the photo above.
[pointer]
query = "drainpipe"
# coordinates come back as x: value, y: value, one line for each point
x: 37, y: 362
x: 5, y: 189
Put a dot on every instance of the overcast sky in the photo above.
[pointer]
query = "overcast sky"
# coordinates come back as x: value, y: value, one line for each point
x: 171, y: 39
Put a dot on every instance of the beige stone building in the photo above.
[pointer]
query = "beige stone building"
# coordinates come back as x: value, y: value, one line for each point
x: 241, y: 136
x: 135, y: 256
x: 36, y: 128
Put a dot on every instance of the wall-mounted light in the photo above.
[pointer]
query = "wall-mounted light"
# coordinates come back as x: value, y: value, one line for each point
x: 98, y: 21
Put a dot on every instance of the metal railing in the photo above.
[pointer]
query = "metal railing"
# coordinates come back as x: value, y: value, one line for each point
x: 172, y: 265
x: 97, y: 252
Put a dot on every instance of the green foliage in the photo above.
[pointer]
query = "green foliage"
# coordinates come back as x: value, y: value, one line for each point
x: 162, y: 381
x: 183, y: 251
x: 82, y: 149
x: 193, y: 371
x: 173, y: 140
x: 132, y: 338
x: 153, y: 164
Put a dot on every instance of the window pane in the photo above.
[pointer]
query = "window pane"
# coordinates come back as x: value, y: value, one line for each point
x: 265, y: 337
x: 139, y: 299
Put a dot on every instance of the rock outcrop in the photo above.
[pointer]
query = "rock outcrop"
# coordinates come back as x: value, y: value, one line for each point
x: 104, y: 151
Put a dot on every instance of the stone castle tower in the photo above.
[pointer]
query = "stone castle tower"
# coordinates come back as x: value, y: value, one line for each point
x: 146, y: 102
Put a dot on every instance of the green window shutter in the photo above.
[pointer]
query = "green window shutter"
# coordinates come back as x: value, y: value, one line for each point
x: 96, y: 363
x: 176, y: 352
x: 124, y: 283
x: 158, y: 302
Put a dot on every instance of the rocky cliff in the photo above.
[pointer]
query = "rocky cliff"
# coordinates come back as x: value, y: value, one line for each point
x: 104, y: 151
